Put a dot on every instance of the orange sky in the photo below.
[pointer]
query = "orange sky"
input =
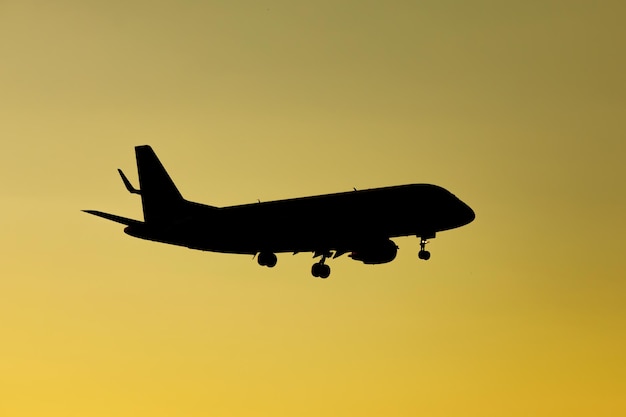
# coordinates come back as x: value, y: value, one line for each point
x: 518, y: 109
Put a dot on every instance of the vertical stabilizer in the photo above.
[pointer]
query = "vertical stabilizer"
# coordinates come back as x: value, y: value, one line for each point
x: 161, y: 200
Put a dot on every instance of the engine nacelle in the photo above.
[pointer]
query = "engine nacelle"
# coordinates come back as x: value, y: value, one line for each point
x: 376, y: 253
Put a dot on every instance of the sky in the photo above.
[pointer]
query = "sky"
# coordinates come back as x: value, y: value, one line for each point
x: 518, y: 108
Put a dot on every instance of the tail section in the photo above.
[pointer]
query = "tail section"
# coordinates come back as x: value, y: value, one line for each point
x: 160, y: 198
x: 162, y: 202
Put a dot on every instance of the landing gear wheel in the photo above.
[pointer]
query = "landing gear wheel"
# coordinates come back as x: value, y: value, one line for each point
x: 320, y: 270
x: 325, y: 271
x: 423, y: 253
x: 267, y: 259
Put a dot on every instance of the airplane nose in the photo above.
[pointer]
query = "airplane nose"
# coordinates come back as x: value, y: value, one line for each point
x: 468, y: 214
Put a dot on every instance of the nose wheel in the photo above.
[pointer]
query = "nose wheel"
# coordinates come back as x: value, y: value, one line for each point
x: 423, y: 253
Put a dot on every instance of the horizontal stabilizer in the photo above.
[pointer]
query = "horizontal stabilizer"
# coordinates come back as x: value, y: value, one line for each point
x: 113, y: 217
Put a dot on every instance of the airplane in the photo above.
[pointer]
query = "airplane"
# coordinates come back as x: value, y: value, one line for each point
x: 360, y: 223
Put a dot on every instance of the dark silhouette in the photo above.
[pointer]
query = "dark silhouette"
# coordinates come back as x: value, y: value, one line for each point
x: 357, y: 222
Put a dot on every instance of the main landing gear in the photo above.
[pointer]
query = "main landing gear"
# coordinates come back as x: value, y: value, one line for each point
x: 320, y: 269
x: 268, y: 259
x: 423, y: 253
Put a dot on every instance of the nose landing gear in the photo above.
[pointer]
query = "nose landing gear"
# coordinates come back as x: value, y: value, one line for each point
x: 423, y: 253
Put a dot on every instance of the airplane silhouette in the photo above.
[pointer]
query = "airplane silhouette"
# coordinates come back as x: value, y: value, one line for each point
x: 360, y: 223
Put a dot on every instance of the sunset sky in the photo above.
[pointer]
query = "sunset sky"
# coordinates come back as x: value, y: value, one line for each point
x: 518, y: 108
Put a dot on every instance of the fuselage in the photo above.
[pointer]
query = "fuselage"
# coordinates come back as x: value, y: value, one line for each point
x: 339, y: 222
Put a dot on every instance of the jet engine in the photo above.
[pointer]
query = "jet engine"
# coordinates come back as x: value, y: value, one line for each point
x: 376, y: 253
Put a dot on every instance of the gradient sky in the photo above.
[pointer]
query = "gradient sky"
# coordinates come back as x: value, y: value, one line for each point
x: 518, y: 108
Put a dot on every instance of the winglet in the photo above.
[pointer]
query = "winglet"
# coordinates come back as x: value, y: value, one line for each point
x: 127, y: 183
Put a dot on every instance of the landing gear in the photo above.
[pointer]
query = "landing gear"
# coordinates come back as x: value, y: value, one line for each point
x: 267, y: 259
x: 320, y: 269
x: 423, y: 253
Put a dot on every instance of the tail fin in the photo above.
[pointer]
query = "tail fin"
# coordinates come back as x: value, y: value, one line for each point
x: 160, y: 198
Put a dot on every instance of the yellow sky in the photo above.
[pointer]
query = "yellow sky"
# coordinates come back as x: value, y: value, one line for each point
x: 516, y: 108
